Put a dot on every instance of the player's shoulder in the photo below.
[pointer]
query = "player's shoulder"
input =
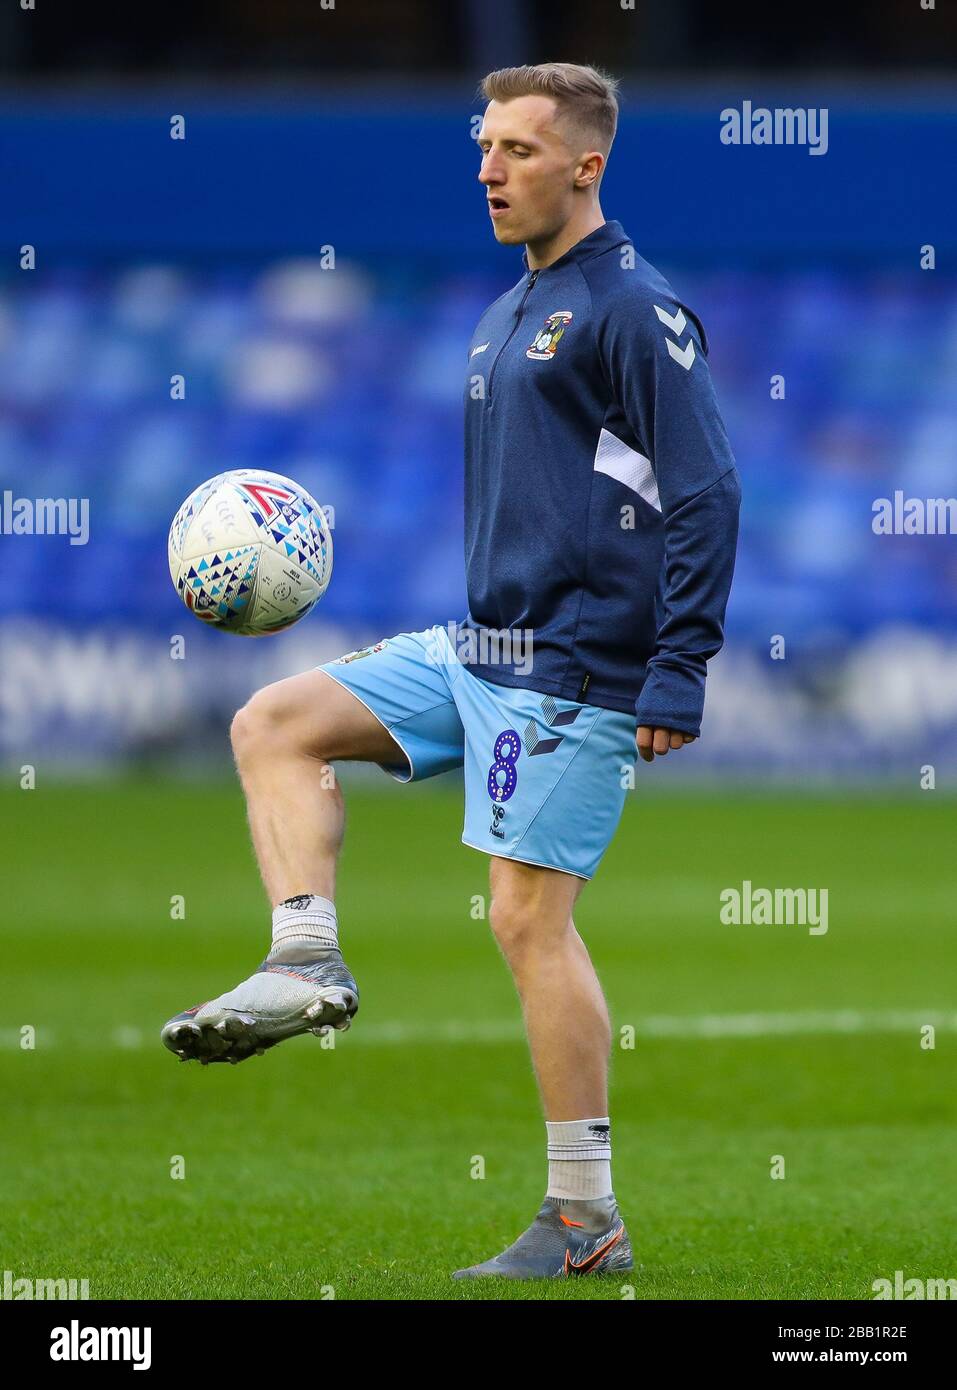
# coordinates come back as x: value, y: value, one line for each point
x: 629, y: 291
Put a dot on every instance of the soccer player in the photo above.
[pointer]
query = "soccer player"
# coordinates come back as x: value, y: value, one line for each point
x: 601, y: 514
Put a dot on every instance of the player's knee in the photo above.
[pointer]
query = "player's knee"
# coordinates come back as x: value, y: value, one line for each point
x: 505, y: 925
x: 243, y: 731
x: 279, y: 719
x: 260, y: 724
x: 519, y: 927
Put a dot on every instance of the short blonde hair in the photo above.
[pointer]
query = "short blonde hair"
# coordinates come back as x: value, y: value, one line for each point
x: 585, y: 97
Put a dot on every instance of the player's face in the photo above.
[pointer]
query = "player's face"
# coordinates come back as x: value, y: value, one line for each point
x: 528, y: 170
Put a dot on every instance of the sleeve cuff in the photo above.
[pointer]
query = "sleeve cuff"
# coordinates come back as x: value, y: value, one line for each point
x: 671, y: 700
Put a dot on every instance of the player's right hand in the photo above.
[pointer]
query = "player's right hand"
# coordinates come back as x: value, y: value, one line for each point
x: 657, y: 742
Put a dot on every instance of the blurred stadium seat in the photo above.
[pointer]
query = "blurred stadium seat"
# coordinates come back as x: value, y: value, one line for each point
x: 292, y: 368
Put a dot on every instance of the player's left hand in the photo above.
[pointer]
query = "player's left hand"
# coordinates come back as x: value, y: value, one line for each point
x: 652, y: 742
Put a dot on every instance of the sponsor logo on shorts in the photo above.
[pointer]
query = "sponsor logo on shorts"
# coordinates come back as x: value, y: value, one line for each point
x: 534, y: 745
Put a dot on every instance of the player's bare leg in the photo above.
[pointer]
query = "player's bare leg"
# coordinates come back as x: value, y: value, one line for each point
x: 578, y: 1229
x: 566, y: 1018
x: 285, y: 741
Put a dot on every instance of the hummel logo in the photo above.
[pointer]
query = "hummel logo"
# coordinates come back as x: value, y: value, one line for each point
x: 677, y: 323
x: 683, y: 355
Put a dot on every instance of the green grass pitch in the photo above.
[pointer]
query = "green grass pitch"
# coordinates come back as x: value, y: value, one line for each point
x: 349, y: 1170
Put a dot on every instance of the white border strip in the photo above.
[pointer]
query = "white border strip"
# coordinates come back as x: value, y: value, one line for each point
x: 633, y: 470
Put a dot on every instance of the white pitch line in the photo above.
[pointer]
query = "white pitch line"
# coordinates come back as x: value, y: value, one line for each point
x: 767, y: 1025
x: 824, y: 1023
x: 753, y: 1025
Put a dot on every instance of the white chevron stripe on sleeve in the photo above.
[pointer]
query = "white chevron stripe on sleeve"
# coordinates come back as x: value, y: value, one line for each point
x: 683, y: 355
x: 628, y: 466
x: 675, y: 323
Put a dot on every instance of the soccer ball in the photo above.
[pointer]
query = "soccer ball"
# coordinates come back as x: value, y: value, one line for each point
x: 250, y: 552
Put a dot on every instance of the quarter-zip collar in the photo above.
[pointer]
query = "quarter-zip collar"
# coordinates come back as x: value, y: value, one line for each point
x: 603, y: 238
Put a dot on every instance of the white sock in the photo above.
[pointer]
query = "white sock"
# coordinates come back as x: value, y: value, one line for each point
x: 579, y: 1159
x: 308, y: 920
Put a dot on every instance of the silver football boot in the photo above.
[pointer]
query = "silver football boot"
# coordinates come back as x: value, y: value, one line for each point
x: 566, y: 1239
x: 297, y: 989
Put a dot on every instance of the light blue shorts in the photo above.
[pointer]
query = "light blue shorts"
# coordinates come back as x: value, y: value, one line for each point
x: 545, y: 779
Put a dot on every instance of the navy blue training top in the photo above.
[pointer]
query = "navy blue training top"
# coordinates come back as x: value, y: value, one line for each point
x: 601, y: 496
